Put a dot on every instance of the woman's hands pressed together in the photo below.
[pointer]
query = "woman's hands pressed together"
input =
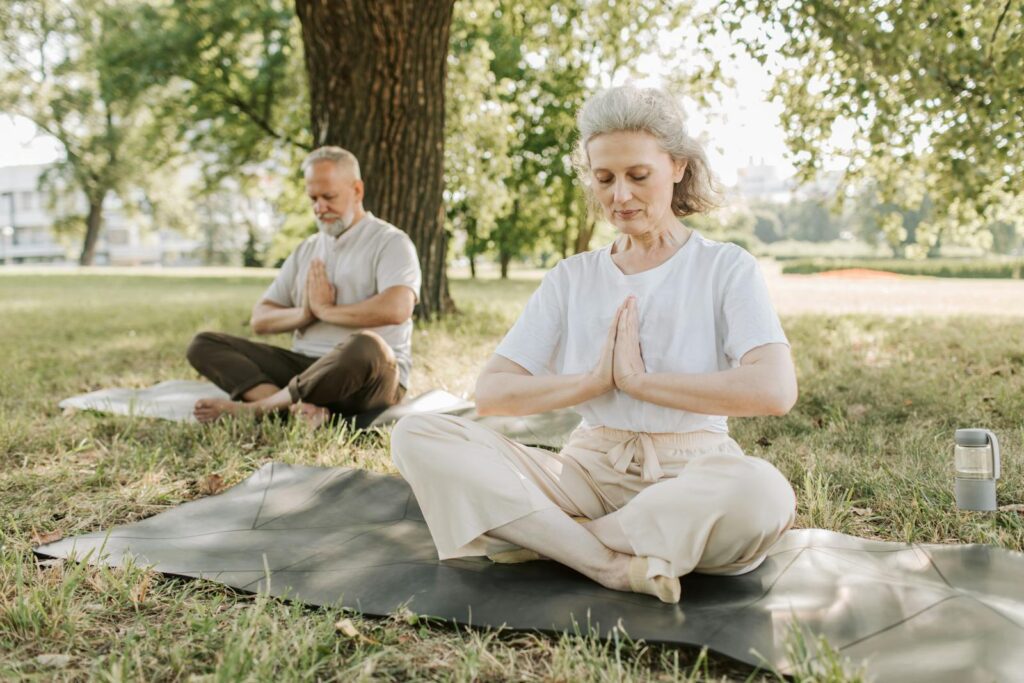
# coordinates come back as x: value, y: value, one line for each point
x: 628, y: 365
x: 621, y: 363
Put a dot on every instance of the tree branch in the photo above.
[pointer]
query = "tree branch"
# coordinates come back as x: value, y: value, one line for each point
x: 254, y: 116
x: 992, y: 40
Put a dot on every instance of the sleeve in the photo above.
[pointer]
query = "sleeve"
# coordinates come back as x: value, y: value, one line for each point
x: 399, y: 265
x: 280, y: 290
x: 749, y: 317
x: 533, y: 340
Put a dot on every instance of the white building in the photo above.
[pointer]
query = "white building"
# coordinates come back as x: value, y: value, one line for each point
x: 764, y: 183
x: 27, y: 234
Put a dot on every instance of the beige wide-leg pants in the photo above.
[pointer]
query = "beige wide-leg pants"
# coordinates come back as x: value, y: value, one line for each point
x: 690, y: 502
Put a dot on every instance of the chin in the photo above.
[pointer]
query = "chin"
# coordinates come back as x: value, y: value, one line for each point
x: 632, y: 227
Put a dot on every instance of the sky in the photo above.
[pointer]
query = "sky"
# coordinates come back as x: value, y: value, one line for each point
x: 22, y: 143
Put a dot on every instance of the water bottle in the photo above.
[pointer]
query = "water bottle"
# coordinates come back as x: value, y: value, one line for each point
x: 976, y: 461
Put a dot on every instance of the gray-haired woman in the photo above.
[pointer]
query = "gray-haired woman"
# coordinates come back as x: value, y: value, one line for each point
x: 654, y: 339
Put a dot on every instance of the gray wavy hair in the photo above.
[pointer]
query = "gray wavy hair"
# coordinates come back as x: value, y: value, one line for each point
x: 339, y: 155
x: 652, y: 111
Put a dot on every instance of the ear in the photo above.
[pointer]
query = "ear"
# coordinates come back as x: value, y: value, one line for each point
x: 360, y: 189
x: 678, y: 170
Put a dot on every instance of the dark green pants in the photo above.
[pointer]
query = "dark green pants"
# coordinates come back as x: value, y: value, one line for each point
x: 357, y: 375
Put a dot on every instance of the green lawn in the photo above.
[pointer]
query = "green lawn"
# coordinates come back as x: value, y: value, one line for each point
x: 868, y: 449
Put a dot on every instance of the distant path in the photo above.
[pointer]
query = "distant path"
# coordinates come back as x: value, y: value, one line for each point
x: 900, y: 296
x: 792, y: 294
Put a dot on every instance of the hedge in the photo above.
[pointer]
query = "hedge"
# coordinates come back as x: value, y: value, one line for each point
x: 961, y: 268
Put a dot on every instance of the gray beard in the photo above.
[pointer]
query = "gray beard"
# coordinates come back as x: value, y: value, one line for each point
x: 336, y: 227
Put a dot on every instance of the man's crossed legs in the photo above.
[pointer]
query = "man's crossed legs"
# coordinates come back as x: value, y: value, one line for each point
x: 358, y: 375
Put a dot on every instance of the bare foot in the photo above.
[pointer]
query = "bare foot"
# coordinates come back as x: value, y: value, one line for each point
x: 312, y: 416
x: 210, y: 409
x: 665, y: 588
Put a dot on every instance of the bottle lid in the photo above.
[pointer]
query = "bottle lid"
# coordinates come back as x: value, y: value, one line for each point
x: 971, y: 437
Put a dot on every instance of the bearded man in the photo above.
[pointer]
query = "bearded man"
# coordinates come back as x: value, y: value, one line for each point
x: 346, y: 294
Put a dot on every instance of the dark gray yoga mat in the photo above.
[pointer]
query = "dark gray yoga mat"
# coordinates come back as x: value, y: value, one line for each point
x: 905, y: 612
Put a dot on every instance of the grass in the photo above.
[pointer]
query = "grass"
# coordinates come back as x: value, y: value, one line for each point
x: 867, y: 449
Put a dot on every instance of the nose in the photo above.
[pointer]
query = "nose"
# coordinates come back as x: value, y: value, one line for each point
x: 621, y: 192
x: 319, y: 206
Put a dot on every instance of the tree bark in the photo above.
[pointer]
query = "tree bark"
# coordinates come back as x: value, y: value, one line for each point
x: 504, y: 258
x: 93, y: 226
x: 585, y: 233
x: 377, y: 71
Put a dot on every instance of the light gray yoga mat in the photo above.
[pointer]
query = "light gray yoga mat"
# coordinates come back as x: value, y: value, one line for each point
x: 170, y: 400
x: 174, y: 400
x: 904, y: 612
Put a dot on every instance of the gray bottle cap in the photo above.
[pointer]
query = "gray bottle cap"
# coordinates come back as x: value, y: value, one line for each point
x: 971, y: 437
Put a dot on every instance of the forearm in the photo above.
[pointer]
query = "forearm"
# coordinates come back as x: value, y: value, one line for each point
x: 368, y: 313
x: 507, y: 393
x: 745, y: 391
x: 267, y: 320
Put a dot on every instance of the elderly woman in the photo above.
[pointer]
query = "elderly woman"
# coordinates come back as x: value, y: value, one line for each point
x: 655, y: 339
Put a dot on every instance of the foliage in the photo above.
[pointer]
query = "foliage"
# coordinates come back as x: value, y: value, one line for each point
x: 956, y: 268
x: 933, y: 92
x: 60, y: 70
x: 734, y: 225
x: 478, y: 131
x: 787, y: 250
x: 767, y: 226
x: 238, y: 67
x: 545, y: 59
x: 243, y: 111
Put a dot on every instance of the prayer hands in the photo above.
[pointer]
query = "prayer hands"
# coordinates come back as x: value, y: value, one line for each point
x: 307, y: 313
x: 603, y: 374
x: 320, y: 293
x: 627, y: 360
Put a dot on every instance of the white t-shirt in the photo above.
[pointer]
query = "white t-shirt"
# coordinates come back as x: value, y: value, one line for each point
x: 700, y: 312
x: 366, y: 259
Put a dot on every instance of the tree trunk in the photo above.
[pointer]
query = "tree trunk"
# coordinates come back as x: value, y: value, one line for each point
x: 568, y: 192
x: 93, y: 226
x: 504, y: 257
x: 471, y: 251
x: 585, y: 234
x: 471, y: 245
x: 377, y: 71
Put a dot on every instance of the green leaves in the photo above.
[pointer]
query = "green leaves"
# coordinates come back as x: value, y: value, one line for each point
x: 518, y: 73
x: 933, y: 89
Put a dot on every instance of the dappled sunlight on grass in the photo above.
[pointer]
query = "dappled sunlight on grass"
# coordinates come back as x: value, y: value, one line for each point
x: 867, y: 449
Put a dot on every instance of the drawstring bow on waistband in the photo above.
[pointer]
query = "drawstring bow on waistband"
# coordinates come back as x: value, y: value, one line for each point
x: 638, y: 448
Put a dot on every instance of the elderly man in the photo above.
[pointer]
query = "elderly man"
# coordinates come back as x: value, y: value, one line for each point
x: 347, y: 294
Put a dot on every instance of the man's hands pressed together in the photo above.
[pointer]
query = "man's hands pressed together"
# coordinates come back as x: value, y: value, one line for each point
x: 320, y: 293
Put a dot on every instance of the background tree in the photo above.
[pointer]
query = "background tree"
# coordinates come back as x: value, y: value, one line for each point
x: 933, y: 90
x: 767, y: 226
x: 548, y: 57
x: 238, y: 74
x: 478, y: 130
x: 59, y: 71
x: 376, y: 71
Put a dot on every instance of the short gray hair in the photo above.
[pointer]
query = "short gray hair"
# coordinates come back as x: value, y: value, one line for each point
x: 652, y: 111
x: 340, y: 156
